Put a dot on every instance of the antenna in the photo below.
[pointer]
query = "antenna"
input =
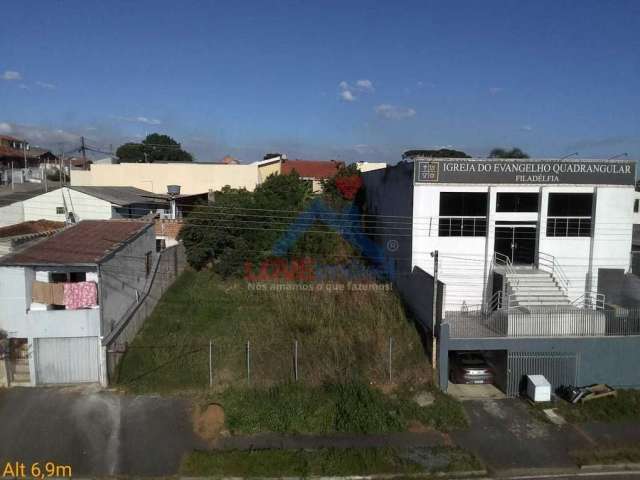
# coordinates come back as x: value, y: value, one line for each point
x: 570, y: 155
x: 624, y: 154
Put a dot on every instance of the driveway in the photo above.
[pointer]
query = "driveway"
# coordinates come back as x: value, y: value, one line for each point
x: 506, y: 436
x: 97, y: 433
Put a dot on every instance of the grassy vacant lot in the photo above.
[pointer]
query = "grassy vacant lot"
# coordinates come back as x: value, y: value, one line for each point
x: 343, y: 346
x: 326, y: 462
x: 341, y: 336
x: 624, y: 407
x: 352, y: 407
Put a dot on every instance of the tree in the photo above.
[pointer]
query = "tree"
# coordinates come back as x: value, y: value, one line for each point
x: 441, y: 153
x: 155, y: 148
x: 507, y: 153
x: 243, y: 226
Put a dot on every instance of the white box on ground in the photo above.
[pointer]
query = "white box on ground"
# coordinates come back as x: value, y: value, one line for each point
x: 538, y: 388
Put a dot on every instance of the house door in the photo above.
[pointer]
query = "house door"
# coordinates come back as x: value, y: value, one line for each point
x: 516, y: 241
x: 67, y: 360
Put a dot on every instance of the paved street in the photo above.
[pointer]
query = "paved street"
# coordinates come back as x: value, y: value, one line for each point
x: 97, y: 433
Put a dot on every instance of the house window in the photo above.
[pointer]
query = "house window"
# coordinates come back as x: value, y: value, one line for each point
x: 59, y: 210
x: 517, y: 202
x: 462, y: 214
x: 569, y: 215
x: 636, y: 203
x: 147, y: 263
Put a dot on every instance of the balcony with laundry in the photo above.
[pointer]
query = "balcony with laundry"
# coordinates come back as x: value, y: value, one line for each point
x: 64, y: 303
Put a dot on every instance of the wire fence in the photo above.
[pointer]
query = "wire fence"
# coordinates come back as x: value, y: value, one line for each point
x: 219, y: 364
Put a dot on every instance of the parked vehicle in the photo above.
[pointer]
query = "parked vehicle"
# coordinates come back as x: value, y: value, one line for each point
x: 470, y: 368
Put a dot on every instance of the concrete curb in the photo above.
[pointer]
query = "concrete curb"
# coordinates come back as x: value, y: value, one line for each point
x: 613, y: 467
x: 389, y: 476
x: 536, y: 471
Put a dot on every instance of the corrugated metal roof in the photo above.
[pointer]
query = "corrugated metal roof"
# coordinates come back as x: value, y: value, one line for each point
x: 87, y: 243
x: 121, y: 196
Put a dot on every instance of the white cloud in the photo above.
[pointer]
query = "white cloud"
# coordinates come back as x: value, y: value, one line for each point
x: 11, y: 75
x: 394, y: 112
x: 365, y: 85
x: 49, y: 86
x: 495, y: 90
x: 350, y: 93
x: 39, y: 135
x: 140, y: 119
x: 526, y: 128
x: 347, y: 96
x: 23, y: 86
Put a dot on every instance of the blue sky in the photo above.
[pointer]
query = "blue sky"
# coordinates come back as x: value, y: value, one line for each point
x: 355, y: 80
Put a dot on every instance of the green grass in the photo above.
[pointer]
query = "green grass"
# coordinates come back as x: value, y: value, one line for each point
x: 607, y: 456
x: 343, y: 340
x: 326, y: 462
x: 341, y: 336
x: 334, y: 408
x: 624, y: 407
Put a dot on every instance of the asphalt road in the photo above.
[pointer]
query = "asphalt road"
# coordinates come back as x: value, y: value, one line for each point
x: 97, y: 433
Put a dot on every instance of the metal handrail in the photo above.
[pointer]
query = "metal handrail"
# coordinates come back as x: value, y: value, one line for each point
x: 591, y: 300
x: 548, y: 262
x: 494, y: 302
x: 504, y: 261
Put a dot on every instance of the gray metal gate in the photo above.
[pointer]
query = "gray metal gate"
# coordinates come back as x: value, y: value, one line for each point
x: 67, y: 360
x: 557, y: 367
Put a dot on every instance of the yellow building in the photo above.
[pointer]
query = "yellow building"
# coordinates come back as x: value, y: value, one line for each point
x: 192, y: 177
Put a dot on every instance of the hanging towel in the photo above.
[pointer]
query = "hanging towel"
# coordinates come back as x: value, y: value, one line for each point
x: 41, y: 292
x: 80, y: 295
x: 57, y: 293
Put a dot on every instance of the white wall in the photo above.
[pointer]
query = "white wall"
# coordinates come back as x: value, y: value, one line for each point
x: 636, y: 215
x: 86, y: 207
x: 465, y: 262
x: 11, y: 214
x: 19, y: 321
x: 461, y: 265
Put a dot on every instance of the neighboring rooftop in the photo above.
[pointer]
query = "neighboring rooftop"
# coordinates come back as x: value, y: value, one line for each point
x: 87, y: 243
x: 23, y: 191
x: 29, y: 228
x: 122, y: 196
x: 311, y: 168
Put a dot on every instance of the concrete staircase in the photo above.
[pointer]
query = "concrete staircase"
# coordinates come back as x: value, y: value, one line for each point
x: 534, y: 288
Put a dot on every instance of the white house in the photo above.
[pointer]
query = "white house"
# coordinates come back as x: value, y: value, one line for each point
x: 93, y: 203
x: 61, y: 296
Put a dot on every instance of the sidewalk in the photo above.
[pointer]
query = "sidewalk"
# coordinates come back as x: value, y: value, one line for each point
x: 506, y: 436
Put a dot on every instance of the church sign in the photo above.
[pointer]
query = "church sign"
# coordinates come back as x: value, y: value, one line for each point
x: 586, y: 172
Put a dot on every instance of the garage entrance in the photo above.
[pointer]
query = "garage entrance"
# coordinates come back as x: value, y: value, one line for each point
x: 67, y: 360
x: 558, y: 368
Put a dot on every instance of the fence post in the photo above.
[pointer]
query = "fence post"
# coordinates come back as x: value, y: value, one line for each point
x: 390, y: 355
x: 248, y: 362
x: 295, y: 360
x: 210, y: 363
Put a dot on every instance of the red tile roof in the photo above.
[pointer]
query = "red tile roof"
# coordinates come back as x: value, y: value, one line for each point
x: 311, y: 168
x: 88, y: 242
x: 28, y: 228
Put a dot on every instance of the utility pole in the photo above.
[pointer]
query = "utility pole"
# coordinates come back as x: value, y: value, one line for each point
x: 84, y: 151
x: 434, y: 312
x: 61, y: 168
